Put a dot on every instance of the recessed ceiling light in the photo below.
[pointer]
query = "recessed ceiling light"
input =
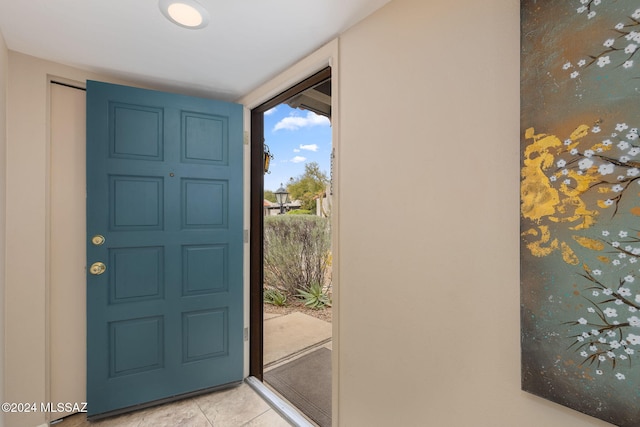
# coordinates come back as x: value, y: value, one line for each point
x: 186, y: 13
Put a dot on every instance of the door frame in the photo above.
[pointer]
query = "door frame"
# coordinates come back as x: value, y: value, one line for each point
x: 256, y: 239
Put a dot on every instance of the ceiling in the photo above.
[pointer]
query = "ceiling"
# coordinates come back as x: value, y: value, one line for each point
x: 246, y: 43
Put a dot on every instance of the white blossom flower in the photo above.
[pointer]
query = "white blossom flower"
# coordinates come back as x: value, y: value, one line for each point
x: 620, y: 376
x: 609, y: 42
x: 611, y: 354
x: 636, y: 14
x: 584, y: 354
x: 591, y: 14
x: 596, y: 129
x: 602, y: 358
x: 598, y: 371
x: 561, y: 163
x: 634, y: 321
x: 602, y: 340
x: 606, y: 169
x: 617, y: 188
x: 574, y: 75
x: 566, y: 182
x: 615, y: 262
x: 595, y: 332
x: 629, y: 351
x: 582, y: 63
x: 565, y: 171
x: 632, y: 135
x: 623, y: 357
x: 596, y: 273
x: 621, y: 127
x: 580, y: 339
x: 622, y: 234
x: 632, y: 309
x: 610, y: 312
x: 604, y: 60
x: 593, y: 348
x: 591, y: 310
x: 628, y: 64
x: 608, y: 202
x: 605, y: 233
x: 582, y: 321
x: 638, y: 298
x: 633, y: 339
x: 568, y: 141
x: 585, y: 163
x: 634, y: 151
x: 607, y: 142
x: 624, y: 159
x: 633, y: 172
x: 629, y: 278
x: 595, y: 293
x: 616, y: 244
x: 619, y: 26
x: 553, y: 178
x: 625, y: 292
x: 566, y: 66
x: 607, y: 291
x: 588, y: 153
x: 611, y: 334
x: 573, y: 151
x: 623, y: 145
x: 614, y: 344
x: 631, y: 35
x: 630, y: 48
x: 618, y: 302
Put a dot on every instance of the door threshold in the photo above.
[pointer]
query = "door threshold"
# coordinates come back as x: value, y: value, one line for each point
x: 281, y: 406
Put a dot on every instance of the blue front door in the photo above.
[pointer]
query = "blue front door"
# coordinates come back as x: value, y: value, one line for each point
x: 164, y: 245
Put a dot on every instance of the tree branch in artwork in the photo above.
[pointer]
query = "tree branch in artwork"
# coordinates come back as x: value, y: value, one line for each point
x: 620, y: 49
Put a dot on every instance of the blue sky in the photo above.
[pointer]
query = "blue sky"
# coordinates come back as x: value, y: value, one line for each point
x: 295, y: 137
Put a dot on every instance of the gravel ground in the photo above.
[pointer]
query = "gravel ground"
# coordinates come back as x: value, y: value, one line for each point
x: 322, y: 314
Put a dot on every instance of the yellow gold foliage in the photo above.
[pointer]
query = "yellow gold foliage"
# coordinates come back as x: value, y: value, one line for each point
x: 568, y: 255
x: 588, y: 243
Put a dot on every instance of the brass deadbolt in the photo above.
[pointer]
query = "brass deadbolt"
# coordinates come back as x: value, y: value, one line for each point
x: 97, y: 240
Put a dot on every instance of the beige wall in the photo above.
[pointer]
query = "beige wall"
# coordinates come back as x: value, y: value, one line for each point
x: 4, y: 61
x: 429, y: 299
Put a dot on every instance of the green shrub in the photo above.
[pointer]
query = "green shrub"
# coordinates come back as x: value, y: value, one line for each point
x: 300, y: 212
x: 274, y: 297
x: 296, y: 252
x: 315, y: 297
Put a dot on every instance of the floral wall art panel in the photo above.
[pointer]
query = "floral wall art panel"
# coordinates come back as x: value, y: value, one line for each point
x: 580, y: 205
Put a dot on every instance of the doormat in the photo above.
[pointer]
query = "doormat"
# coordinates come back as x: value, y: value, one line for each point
x: 306, y: 384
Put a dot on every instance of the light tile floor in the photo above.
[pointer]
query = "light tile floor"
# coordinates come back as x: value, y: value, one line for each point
x: 235, y: 407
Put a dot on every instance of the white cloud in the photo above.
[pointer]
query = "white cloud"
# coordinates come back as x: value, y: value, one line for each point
x: 296, y: 150
x: 310, y: 147
x: 271, y: 111
x: 298, y: 159
x: 297, y: 122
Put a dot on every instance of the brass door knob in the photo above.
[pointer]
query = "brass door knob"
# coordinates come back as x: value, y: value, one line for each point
x: 97, y: 268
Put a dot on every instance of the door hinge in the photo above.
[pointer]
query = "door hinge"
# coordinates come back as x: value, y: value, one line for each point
x: 246, y: 334
x: 246, y: 236
x: 246, y: 137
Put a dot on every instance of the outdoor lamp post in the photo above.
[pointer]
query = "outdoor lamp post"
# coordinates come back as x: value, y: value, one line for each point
x: 281, y: 197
